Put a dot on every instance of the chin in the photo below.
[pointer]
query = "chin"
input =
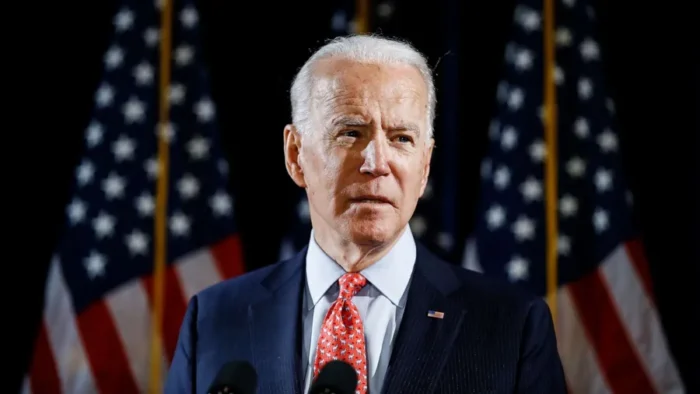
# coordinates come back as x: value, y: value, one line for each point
x: 372, y: 232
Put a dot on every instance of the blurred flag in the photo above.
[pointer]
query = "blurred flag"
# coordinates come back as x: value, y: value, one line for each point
x: 610, y: 336
x: 95, y: 336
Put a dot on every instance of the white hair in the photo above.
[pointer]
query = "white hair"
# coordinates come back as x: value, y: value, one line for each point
x: 365, y: 49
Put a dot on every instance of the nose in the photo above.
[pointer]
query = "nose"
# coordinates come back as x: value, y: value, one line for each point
x: 375, y: 158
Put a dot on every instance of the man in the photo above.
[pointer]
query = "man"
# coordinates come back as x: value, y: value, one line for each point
x: 364, y: 291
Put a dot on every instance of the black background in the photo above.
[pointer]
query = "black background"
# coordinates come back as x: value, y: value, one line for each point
x: 253, y: 49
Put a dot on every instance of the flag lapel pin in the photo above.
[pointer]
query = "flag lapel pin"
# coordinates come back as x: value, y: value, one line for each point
x: 436, y: 314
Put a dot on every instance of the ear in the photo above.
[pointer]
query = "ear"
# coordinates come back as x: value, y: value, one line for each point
x: 428, y: 155
x: 292, y: 149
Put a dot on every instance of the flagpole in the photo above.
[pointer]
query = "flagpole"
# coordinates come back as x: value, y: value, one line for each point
x: 362, y: 16
x: 550, y: 126
x: 160, y: 222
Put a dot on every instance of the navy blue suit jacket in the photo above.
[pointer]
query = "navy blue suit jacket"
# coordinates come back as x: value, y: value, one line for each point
x: 493, y: 338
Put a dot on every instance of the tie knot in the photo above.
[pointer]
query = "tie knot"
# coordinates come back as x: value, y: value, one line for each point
x: 351, y: 284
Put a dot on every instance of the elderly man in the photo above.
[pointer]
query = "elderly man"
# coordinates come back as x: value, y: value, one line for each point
x: 364, y: 291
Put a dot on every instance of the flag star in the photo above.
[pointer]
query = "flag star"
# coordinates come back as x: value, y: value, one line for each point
x: 501, y: 177
x: 585, y: 88
x: 76, y: 211
x: 188, y: 186
x: 85, y: 173
x: 581, y: 127
x: 576, y: 167
x: 523, y: 60
x: 151, y: 168
x: 114, y: 57
x: 603, y: 180
x: 204, y: 109
x: 143, y: 73
x: 177, y: 93
x: 558, y: 75
x: 385, y: 10
x: 198, y: 148
x: 524, y: 229
x: 538, y: 151
x: 444, y: 240
x: 151, y: 36
x: 189, y: 17
x: 137, y: 242
x: 104, y: 95
x: 94, y: 134
x: 221, y: 204
x: 568, y: 205
x: 563, y: 37
x: 531, y: 190
x: 339, y: 21
x: 495, y: 216
x: 517, y: 268
x: 303, y: 210
x: 509, y: 138
x: 516, y: 98
x: 103, y: 225
x: 589, y: 50
x: 123, y: 148
x: 564, y: 245
x: 124, y: 20
x: 607, y: 141
x: 530, y: 20
x: 184, y: 55
x: 418, y: 226
x: 134, y: 110
x: 95, y: 265
x: 569, y: 3
x: 179, y: 224
x: 145, y: 205
x: 428, y: 192
x: 600, y: 220
x: 113, y: 186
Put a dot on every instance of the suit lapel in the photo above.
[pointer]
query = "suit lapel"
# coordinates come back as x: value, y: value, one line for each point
x: 274, y: 329
x: 423, y: 343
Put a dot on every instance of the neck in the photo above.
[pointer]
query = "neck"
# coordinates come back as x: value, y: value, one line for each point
x: 352, y: 256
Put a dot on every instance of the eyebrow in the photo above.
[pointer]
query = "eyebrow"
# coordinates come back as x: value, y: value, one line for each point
x: 356, y: 121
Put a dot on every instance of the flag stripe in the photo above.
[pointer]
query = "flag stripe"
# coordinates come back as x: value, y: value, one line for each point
x: 641, y: 321
x: 635, y: 250
x: 44, y: 376
x: 593, y: 301
x: 228, y: 255
x: 174, y: 310
x: 197, y: 271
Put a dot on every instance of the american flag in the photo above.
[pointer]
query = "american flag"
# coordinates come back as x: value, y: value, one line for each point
x: 608, y: 327
x: 95, y: 334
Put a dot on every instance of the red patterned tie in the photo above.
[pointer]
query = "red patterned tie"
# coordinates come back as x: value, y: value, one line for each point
x: 342, y: 334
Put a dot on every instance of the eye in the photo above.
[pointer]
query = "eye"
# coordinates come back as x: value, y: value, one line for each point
x: 350, y: 133
x: 404, y: 139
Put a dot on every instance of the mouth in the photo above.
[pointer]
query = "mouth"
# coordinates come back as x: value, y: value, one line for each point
x: 371, y: 199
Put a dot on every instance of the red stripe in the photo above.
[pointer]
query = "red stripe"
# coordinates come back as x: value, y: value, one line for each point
x: 228, y: 255
x: 175, y: 307
x: 635, y: 251
x: 43, y: 375
x: 615, y: 353
x: 105, y: 351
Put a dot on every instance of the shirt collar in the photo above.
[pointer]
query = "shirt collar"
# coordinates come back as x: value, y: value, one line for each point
x: 390, y: 275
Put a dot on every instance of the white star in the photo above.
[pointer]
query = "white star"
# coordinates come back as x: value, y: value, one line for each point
x: 114, y: 57
x: 188, y: 186
x: 569, y: 3
x: 123, y: 148
x: 428, y: 192
x: 137, y: 242
x: 531, y: 190
x: 168, y: 132
x: 529, y: 19
x: 177, y: 93
x: 607, y: 141
x: 509, y: 138
x: 104, y: 95
x: 501, y: 178
x: 145, y: 205
x: 538, y: 151
x: 444, y: 240
x: 179, y: 224
x: 76, y: 211
x: 563, y: 37
x: 103, y: 225
x: 516, y: 97
x: 524, y: 229
x: 143, y: 73
x: 495, y: 217
x: 95, y: 265
x: 94, y: 134
x: 600, y: 220
x: 603, y: 180
x: 134, y: 110
x: 576, y: 167
x: 189, y: 17
x: 564, y: 245
x: 204, y: 109
x: 517, y: 268
x: 198, y: 147
x: 385, y: 10
x: 124, y: 20
x: 339, y: 21
x: 85, y: 172
x: 184, y: 55
x: 581, y: 127
x: 221, y: 204
x: 568, y: 205
x: 585, y: 88
x: 113, y: 186
x: 151, y: 168
x: 558, y: 75
x: 418, y: 226
x: 589, y: 50
x: 303, y: 210
x: 523, y: 60
x: 151, y: 36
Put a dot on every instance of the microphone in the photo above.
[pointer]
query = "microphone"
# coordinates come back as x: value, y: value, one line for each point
x: 235, y: 377
x: 336, y: 377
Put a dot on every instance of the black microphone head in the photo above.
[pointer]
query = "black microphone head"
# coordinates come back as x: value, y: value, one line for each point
x: 235, y: 377
x: 336, y: 377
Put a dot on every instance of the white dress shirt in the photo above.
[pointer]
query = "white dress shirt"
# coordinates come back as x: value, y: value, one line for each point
x: 380, y: 303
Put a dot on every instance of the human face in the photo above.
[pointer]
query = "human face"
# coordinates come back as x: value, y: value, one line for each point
x: 365, y: 159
